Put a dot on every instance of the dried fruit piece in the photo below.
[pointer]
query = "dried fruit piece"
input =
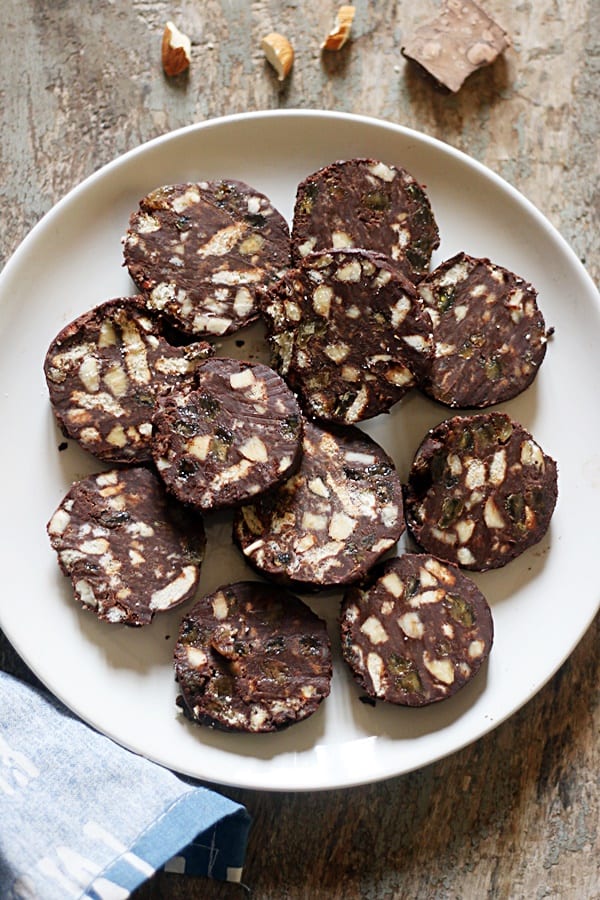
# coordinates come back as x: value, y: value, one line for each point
x: 279, y: 53
x: 340, y: 32
x: 176, y: 50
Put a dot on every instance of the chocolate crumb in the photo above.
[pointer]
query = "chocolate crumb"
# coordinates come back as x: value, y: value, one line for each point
x: 368, y: 701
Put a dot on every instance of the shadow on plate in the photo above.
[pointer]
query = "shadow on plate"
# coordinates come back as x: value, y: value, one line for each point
x: 297, y: 738
x: 406, y: 723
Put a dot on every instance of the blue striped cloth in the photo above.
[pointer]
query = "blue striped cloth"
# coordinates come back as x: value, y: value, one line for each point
x: 80, y: 817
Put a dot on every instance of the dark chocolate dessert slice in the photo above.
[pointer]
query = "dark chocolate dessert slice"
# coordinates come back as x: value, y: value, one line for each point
x: 235, y: 434
x: 489, y: 336
x: 129, y: 550
x: 202, y: 251
x: 252, y: 657
x: 416, y: 632
x: 332, y: 520
x: 368, y: 204
x: 349, y: 333
x: 480, y: 491
x: 104, y: 371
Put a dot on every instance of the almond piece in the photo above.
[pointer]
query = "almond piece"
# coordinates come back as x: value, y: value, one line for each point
x: 340, y: 32
x: 176, y: 50
x: 279, y: 53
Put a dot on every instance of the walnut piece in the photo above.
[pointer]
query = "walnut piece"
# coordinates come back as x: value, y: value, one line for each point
x: 176, y: 50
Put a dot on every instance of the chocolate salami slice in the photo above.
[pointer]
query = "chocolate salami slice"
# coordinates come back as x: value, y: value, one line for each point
x: 348, y: 332
x: 104, y: 371
x: 332, y: 520
x: 480, y: 491
x: 489, y: 335
x: 234, y: 435
x: 416, y: 632
x: 369, y: 204
x: 129, y: 550
x: 252, y: 657
x: 201, y: 251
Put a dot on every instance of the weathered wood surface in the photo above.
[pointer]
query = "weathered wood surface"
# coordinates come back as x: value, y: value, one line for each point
x: 517, y: 814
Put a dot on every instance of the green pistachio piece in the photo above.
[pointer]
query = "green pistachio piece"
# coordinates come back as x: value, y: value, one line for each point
x: 460, y: 610
x: 515, y: 507
x: 493, y: 368
x: 446, y: 298
x: 376, y: 200
x: 452, y: 508
x: 405, y: 674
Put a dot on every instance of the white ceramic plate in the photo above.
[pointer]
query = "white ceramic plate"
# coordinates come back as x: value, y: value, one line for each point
x: 121, y: 680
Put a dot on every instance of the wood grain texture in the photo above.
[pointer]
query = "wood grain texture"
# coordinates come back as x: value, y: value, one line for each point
x: 516, y: 815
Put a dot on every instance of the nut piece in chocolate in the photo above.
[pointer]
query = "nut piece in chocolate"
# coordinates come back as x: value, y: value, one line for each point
x: 461, y: 39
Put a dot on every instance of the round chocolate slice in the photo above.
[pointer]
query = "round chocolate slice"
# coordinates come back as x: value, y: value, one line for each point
x: 489, y: 337
x: 129, y: 550
x: 332, y: 520
x: 370, y: 204
x: 201, y: 251
x: 234, y: 435
x: 480, y: 491
x: 104, y: 371
x: 252, y: 657
x: 416, y: 632
x: 348, y: 332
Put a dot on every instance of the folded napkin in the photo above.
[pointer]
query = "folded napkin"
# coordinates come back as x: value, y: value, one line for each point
x: 80, y: 817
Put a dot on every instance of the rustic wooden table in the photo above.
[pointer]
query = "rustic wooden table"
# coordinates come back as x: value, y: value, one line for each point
x: 516, y: 815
